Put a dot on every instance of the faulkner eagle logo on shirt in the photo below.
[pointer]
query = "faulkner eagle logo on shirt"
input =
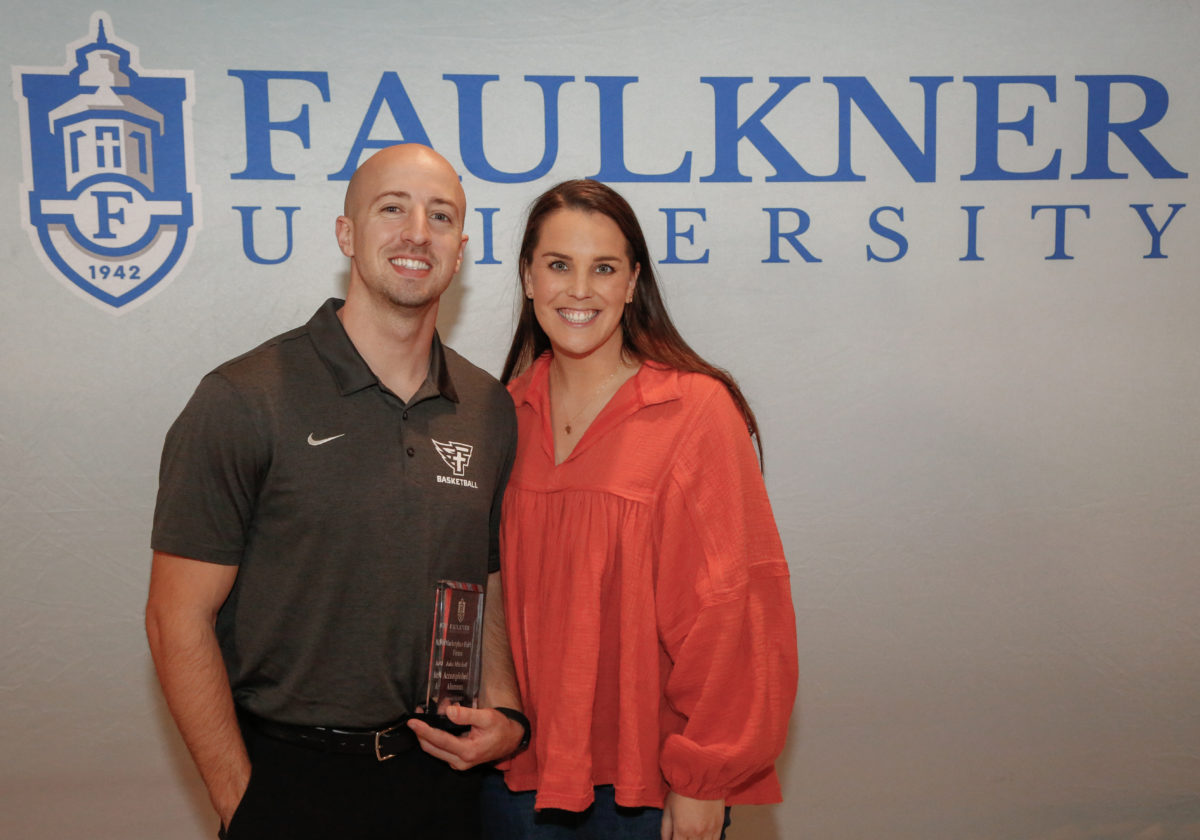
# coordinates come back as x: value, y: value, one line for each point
x: 108, y: 193
x: 456, y: 456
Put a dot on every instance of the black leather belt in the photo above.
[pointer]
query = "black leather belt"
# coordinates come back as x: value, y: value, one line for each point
x: 383, y: 743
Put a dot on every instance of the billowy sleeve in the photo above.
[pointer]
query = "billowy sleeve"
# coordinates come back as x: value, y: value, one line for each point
x: 725, y: 615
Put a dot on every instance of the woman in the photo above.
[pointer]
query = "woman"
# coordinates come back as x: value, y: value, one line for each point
x: 647, y: 594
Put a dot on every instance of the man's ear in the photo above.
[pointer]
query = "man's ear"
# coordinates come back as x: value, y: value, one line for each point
x: 344, y: 230
x: 462, y: 247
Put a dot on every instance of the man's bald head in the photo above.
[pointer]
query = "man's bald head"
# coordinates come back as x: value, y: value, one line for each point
x: 388, y: 167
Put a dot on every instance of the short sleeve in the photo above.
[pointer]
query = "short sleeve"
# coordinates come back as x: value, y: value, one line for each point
x: 212, y: 465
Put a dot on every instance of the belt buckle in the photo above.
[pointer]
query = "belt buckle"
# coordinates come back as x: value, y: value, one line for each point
x: 379, y: 756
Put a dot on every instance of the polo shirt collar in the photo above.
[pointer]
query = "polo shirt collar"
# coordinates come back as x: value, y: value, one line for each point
x: 349, y: 369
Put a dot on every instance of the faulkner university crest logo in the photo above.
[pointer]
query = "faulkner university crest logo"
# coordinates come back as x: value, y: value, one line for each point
x: 108, y: 193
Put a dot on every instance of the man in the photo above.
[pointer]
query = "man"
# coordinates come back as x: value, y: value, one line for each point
x: 312, y: 494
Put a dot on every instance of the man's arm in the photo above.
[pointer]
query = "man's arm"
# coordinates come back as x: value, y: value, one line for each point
x: 493, y: 736
x: 181, y: 613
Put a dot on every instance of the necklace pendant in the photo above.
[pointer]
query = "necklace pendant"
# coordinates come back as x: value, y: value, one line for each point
x: 567, y: 428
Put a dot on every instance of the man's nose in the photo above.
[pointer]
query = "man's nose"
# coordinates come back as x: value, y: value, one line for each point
x: 416, y: 228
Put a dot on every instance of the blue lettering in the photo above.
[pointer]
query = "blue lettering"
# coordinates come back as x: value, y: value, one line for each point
x: 247, y: 214
x: 988, y: 127
x: 1143, y: 210
x: 487, y: 213
x: 259, y: 126
x: 105, y: 214
x: 728, y: 132
x: 972, y: 233
x: 1100, y: 125
x: 888, y: 233
x: 689, y: 234
x: 792, y: 236
x: 389, y: 91
x: 612, y: 137
x: 1060, y: 225
x: 470, y: 126
x: 922, y: 166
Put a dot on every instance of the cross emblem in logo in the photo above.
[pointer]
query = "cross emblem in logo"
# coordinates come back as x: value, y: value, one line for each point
x: 456, y: 455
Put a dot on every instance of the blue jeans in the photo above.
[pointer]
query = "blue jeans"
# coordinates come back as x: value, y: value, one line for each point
x: 510, y: 816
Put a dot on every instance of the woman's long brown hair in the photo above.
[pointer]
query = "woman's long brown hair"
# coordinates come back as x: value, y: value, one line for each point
x: 646, y: 328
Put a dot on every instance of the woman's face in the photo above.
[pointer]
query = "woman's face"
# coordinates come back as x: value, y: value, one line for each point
x: 580, y: 279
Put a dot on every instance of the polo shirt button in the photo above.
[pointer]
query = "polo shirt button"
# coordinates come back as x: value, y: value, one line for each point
x: 411, y: 452
x: 404, y: 416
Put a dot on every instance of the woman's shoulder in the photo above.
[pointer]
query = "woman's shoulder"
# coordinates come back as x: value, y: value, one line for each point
x: 519, y: 387
x: 697, y: 390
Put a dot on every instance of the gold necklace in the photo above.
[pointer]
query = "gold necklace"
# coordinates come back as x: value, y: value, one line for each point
x: 595, y: 395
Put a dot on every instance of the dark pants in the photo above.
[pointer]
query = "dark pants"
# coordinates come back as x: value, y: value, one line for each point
x: 300, y: 793
x: 510, y: 816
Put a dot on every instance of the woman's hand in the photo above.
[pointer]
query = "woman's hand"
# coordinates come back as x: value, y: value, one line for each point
x: 685, y: 818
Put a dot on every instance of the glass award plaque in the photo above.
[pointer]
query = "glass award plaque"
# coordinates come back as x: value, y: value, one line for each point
x: 455, y: 652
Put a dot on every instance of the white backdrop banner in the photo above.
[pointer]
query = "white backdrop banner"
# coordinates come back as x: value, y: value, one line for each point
x: 948, y: 248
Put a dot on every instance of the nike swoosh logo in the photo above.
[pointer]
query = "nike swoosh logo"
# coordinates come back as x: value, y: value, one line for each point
x: 312, y: 441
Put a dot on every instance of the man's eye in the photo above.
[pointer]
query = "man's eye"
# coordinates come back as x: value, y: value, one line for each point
x: 440, y: 217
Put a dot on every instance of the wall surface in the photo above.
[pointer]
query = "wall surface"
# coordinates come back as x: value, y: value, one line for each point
x: 950, y: 250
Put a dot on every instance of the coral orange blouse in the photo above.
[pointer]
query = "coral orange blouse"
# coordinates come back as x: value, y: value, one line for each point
x: 647, y: 598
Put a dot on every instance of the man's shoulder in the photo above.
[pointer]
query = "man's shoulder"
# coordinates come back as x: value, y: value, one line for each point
x: 265, y: 358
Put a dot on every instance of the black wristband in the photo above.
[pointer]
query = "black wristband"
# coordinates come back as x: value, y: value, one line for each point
x: 513, y: 714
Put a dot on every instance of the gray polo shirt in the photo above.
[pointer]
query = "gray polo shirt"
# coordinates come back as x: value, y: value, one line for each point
x: 342, y: 506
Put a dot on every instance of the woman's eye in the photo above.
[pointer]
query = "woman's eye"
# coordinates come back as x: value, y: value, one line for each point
x: 558, y: 265
x: 604, y: 269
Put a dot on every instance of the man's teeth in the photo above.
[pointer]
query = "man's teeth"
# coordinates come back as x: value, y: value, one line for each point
x: 578, y: 316
x: 402, y: 262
